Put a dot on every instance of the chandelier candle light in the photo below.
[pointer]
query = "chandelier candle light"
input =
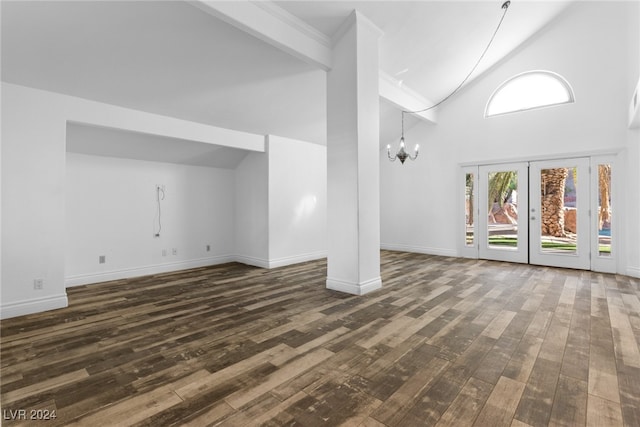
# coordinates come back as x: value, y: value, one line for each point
x: 402, y: 153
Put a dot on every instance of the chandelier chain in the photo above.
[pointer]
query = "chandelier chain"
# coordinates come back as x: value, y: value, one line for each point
x: 402, y: 154
x: 504, y: 6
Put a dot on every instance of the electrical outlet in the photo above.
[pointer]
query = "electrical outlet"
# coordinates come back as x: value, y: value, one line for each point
x: 102, y: 259
x: 38, y: 284
x: 164, y: 252
x: 174, y: 251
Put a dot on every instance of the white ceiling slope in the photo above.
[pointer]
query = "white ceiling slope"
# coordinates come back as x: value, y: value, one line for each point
x: 163, y: 57
x: 431, y: 45
x: 109, y: 142
x: 171, y: 58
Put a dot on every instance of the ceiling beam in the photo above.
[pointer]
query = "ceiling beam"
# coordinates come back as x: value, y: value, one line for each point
x: 405, y: 98
x: 274, y: 25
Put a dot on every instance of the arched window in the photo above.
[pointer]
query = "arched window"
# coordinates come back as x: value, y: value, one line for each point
x: 529, y: 90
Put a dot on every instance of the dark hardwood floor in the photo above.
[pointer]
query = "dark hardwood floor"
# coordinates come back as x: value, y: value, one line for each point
x: 447, y: 341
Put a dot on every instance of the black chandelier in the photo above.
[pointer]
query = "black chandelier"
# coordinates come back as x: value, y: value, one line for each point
x: 402, y: 153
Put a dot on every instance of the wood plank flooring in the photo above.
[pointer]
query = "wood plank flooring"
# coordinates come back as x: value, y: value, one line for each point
x: 446, y: 342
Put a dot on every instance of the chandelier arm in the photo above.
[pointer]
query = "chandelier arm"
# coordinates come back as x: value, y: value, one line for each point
x: 393, y: 159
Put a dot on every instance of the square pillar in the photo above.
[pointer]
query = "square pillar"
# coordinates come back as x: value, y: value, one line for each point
x: 353, y: 167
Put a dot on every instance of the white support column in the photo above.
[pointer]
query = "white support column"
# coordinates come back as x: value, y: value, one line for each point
x: 353, y: 168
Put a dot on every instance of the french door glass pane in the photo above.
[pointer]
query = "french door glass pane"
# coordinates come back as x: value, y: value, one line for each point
x: 604, y: 210
x: 468, y: 205
x: 559, y: 204
x: 502, y: 222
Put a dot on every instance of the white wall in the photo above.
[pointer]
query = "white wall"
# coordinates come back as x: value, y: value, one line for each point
x: 632, y: 205
x: 112, y: 210
x: 281, y: 204
x: 297, y: 201
x: 252, y: 210
x: 633, y: 147
x: 33, y: 171
x: 591, y: 47
x: 33, y: 183
x: 54, y: 203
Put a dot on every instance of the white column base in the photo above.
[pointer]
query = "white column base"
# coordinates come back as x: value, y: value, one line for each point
x: 354, y: 288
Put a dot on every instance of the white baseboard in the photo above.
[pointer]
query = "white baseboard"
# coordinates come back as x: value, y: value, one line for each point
x: 419, y: 249
x: 36, y: 305
x: 85, y: 279
x: 281, y: 262
x: 633, y: 272
x: 105, y: 276
x: 353, y: 287
x: 248, y: 260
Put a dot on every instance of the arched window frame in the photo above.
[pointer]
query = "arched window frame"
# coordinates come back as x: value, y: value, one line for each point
x: 557, y: 77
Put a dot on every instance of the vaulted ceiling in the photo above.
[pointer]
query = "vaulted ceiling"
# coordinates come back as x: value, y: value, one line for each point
x: 171, y: 58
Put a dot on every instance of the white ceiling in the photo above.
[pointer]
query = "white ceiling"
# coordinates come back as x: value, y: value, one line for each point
x: 171, y: 58
x: 164, y: 57
x: 432, y: 45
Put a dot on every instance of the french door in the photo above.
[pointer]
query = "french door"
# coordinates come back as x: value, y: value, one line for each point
x: 559, y: 213
x: 503, y: 233
x: 553, y: 212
